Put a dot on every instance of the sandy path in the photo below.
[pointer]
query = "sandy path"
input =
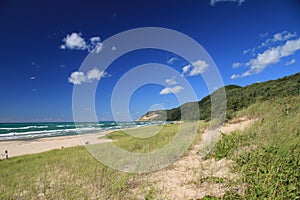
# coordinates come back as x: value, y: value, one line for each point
x: 17, y: 148
x: 193, y: 178
x: 236, y: 124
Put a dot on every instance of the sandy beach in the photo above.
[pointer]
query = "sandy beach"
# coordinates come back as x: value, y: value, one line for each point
x: 22, y: 147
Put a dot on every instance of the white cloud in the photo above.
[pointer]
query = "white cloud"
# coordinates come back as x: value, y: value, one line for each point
x: 170, y: 81
x: 276, y: 38
x: 114, y: 48
x: 166, y: 90
x: 234, y: 76
x: 290, y: 62
x: 95, y: 39
x: 32, y: 78
x: 177, y: 89
x: 169, y: 90
x: 78, y: 78
x: 237, y: 65
x: 94, y: 74
x: 97, y: 48
x: 74, y: 41
x: 283, y: 36
x: 213, y: 2
x: 246, y: 51
x: 270, y: 56
x: 186, y: 68
x: 290, y: 47
x: 95, y: 45
x: 197, y: 67
x: 172, y: 60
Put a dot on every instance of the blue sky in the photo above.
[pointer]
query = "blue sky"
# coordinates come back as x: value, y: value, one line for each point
x: 43, y: 44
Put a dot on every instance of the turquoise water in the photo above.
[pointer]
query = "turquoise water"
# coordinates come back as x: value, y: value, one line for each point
x: 27, y: 131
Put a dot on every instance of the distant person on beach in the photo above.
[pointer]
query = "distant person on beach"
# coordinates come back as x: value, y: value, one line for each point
x: 6, y: 154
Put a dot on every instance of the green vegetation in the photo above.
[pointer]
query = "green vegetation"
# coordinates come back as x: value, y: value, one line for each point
x: 139, y: 140
x: 149, y: 139
x: 239, y: 98
x: 69, y: 173
x: 268, y: 153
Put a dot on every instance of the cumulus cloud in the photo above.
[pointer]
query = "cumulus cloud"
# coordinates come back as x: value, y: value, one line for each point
x: 197, y: 67
x: 172, y: 60
x: 290, y: 62
x: 169, y: 90
x: 270, y: 56
x: 78, y: 78
x: 213, y: 2
x: 171, y: 81
x: 75, y: 41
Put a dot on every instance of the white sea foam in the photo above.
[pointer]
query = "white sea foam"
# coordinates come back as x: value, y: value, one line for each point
x: 21, y: 128
x: 43, y: 133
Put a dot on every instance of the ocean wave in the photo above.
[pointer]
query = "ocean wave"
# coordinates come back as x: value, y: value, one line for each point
x: 43, y: 133
x: 21, y: 128
x: 63, y: 126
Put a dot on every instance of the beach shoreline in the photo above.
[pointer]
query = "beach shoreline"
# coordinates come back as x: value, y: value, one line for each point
x: 23, y: 147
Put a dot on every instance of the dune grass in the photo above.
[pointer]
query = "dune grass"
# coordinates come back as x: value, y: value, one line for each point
x: 268, y: 153
x: 69, y: 173
x: 148, y: 139
x: 144, y: 139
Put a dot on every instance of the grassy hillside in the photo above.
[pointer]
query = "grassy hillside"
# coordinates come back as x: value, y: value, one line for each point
x: 240, y: 97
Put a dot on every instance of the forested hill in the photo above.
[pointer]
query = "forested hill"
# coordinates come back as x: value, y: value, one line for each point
x: 237, y: 98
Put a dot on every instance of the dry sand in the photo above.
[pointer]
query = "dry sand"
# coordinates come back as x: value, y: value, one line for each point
x: 17, y: 148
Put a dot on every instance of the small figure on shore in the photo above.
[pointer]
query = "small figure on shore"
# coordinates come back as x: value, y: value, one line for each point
x: 6, y: 154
